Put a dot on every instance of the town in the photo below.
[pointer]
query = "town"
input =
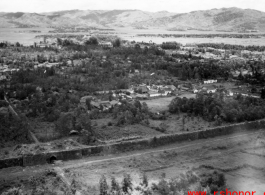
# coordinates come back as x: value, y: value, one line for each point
x: 85, y: 95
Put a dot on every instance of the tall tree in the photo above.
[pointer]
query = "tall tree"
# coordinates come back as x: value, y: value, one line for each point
x: 103, y: 186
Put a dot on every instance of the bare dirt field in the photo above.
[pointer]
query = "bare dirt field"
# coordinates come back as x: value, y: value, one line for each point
x: 129, y: 131
x: 174, y: 123
x: 240, y: 157
x: 24, y: 149
x: 161, y: 104
x: 158, y: 104
x: 244, y: 171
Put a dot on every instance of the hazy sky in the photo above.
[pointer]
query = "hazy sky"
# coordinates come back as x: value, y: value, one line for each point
x: 178, y: 6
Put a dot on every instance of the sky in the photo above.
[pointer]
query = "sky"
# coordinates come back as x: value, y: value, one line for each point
x: 177, y: 6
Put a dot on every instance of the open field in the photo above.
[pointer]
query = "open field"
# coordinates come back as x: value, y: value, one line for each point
x: 12, y: 35
x: 174, y: 124
x: 129, y: 131
x: 240, y: 157
x: 232, y: 41
x: 130, y: 34
x: 158, y: 104
x: 244, y: 171
x: 161, y: 104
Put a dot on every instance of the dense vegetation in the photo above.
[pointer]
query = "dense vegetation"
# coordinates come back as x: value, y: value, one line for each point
x: 12, y: 130
x: 209, y: 183
x: 128, y: 113
x: 218, y: 108
x: 51, y: 183
x: 53, y: 94
x: 204, y: 35
x: 232, y: 47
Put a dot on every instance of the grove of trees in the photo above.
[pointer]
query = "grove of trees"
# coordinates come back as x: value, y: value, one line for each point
x: 218, y: 108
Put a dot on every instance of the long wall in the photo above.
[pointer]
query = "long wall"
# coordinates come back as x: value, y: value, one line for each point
x: 43, y: 158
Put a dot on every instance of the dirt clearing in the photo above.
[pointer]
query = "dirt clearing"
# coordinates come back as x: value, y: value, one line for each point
x: 243, y: 171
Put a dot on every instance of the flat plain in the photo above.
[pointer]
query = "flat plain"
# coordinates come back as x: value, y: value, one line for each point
x: 25, y: 37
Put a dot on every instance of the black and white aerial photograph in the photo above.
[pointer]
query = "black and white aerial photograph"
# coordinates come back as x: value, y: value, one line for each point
x: 132, y: 97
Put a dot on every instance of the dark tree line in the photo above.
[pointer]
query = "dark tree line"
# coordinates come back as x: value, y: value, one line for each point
x: 232, y: 47
x: 216, y: 108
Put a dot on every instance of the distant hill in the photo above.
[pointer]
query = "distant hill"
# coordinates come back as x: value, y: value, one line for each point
x: 225, y: 19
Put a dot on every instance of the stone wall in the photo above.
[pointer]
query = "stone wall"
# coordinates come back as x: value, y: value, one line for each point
x: 11, y: 162
x: 43, y: 158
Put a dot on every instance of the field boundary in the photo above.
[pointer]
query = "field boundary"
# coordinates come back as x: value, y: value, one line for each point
x: 145, y: 143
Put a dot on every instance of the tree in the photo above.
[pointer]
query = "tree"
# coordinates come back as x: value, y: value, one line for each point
x: 18, y: 44
x: 127, y: 183
x: 74, y: 186
x: 92, y: 41
x: 116, y: 42
x: 110, y: 96
x: 84, y: 122
x: 263, y: 93
x: 183, y: 122
x: 65, y: 123
x: 59, y: 41
x: 162, y: 187
x: 145, y: 108
x: 144, y: 180
x: 88, y: 103
x: 216, y: 181
x: 103, y: 186
x: 115, y: 187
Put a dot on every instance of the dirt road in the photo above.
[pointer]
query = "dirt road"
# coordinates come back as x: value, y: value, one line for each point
x: 240, y: 156
x: 186, y: 145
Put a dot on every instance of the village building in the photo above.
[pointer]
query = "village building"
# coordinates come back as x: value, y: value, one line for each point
x: 211, y: 89
x: 154, y: 94
x: 210, y: 81
x: 105, y: 44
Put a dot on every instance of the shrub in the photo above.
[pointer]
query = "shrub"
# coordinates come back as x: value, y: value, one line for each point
x: 127, y: 183
x: 103, y: 186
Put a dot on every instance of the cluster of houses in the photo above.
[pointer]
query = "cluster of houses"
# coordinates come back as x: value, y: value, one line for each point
x: 98, y: 104
x: 206, y: 89
x: 218, y: 54
x: 105, y: 44
x: 142, y: 91
x: 6, y: 72
x: 210, y: 81
x: 149, y: 91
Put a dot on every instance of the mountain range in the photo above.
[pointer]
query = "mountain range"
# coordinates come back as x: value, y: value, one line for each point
x: 225, y: 19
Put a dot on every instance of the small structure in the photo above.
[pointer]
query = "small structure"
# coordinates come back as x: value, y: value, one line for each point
x: 154, y: 94
x: 211, y: 89
x: 142, y: 89
x: 210, y: 81
x: 105, y: 44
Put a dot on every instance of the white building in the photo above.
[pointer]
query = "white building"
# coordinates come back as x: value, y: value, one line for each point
x: 210, y: 81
